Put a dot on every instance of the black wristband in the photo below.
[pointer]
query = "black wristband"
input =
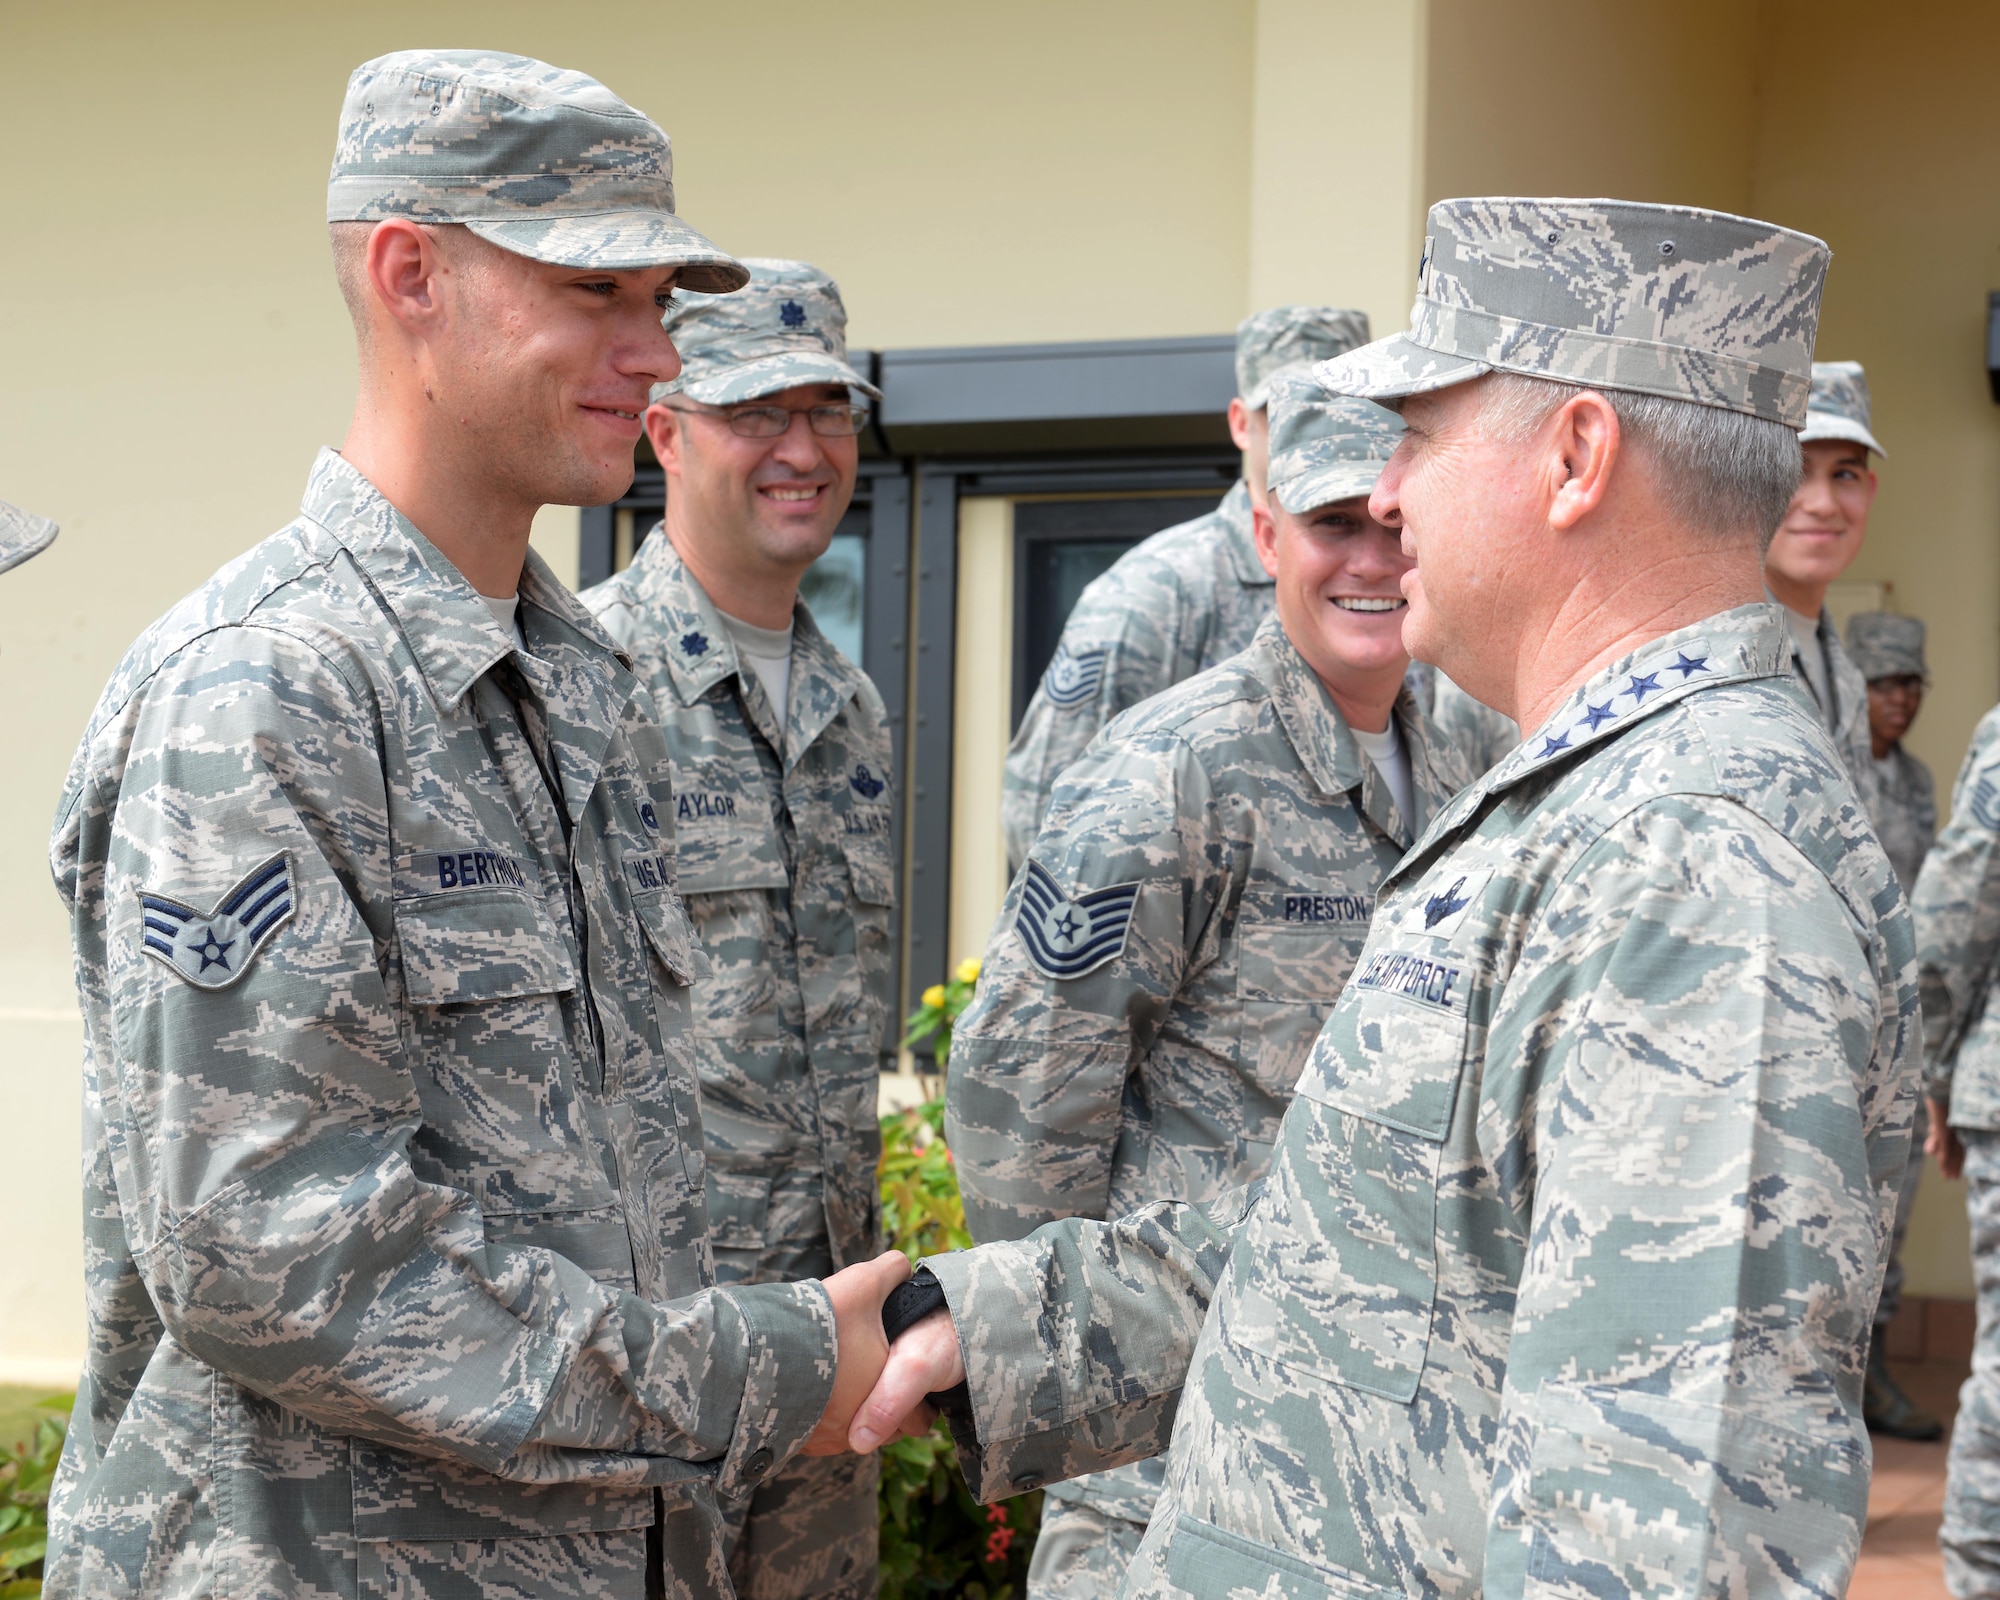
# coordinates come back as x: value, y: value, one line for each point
x: 915, y: 1298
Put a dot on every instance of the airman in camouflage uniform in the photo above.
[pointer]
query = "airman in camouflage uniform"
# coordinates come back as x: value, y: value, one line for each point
x: 782, y: 818
x: 1888, y: 651
x: 1232, y: 832
x: 1957, y: 907
x: 1185, y: 600
x: 397, y: 1267
x: 22, y: 535
x: 1561, y: 1279
x: 1818, y: 540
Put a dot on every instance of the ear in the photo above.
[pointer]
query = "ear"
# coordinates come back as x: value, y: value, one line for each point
x: 663, y: 429
x: 1239, y: 422
x: 1264, y: 529
x: 1584, y: 444
x: 405, y: 272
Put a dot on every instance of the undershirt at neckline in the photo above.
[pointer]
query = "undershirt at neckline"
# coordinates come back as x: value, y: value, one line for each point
x: 1392, y: 759
x: 507, y: 612
x: 769, y: 653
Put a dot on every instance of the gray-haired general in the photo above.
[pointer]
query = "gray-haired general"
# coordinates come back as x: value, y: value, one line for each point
x: 397, y: 1263
x: 783, y: 795
x: 1192, y: 906
x: 1562, y: 1277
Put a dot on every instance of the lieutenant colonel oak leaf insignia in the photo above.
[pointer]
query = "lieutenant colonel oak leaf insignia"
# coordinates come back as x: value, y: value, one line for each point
x: 1067, y: 936
x: 212, y: 949
x: 1073, y: 679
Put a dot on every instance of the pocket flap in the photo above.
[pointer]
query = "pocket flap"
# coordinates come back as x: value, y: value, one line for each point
x: 671, y: 935
x: 739, y: 1207
x: 478, y: 945
x: 871, y: 870
x: 398, y: 1496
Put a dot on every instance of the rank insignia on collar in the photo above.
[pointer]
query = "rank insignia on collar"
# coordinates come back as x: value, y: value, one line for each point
x: 1073, y: 679
x: 1067, y: 936
x: 212, y: 949
x: 864, y: 782
x: 695, y: 644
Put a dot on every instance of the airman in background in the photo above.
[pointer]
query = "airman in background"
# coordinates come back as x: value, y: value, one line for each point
x: 1192, y: 907
x: 1888, y: 651
x: 1185, y: 600
x: 1957, y: 907
x: 1818, y: 540
x: 22, y: 535
x: 1560, y: 1283
x: 397, y: 1266
x: 782, y: 786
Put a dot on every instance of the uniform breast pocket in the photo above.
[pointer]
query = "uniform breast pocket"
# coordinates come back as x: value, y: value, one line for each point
x: 1337, y: 1270
x: 872, y: 881
x: 1287, y: 980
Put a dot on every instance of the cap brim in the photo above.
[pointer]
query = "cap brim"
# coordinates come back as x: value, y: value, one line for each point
x: 1327, y: 485
x: 1393, y: 368
x: 1260, y: 397
x: 619, y: 241
x: 1824, y: 425
x: 22, y: 535
x: 754, y: 380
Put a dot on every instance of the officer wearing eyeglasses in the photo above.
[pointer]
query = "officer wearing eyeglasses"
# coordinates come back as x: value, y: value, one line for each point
x: 782, y: 793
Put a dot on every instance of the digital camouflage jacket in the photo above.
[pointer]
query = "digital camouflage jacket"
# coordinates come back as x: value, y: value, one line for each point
x: 1956, y: 903
x: 1562, y: 1278
x: 786, y: 865
x: 396, y: 1259
x: 1183, y: 601
x: 1255, y: 832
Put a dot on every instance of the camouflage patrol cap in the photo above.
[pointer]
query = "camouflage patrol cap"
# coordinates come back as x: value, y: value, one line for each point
x: 1325, y: 447
x: 1661, y: 300
x: 1838, y: 405
x: 1885, y: 645
x: 544, y: 162
x: 1291, y: 339
x: 784, y: 328
x: 22, y: 534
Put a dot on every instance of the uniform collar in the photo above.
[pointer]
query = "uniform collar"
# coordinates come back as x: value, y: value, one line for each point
x: 1326, y: 746
x: 1242, y: 537
x: 448, y: 627
x: 700, y: 653
x: 1734, y: 646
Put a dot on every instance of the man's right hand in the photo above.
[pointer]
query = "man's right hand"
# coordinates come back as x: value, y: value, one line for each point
x: 922, y: 1362
x: 857, y: 1293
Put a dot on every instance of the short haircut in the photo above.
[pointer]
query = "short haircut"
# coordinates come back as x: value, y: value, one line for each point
x: 350, y: 263
x: 1719, y: 472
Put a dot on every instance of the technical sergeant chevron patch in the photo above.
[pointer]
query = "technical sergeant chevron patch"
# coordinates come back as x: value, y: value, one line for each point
x: 1068, y: 936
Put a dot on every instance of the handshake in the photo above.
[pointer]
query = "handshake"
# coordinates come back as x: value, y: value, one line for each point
x: 880, y: 1389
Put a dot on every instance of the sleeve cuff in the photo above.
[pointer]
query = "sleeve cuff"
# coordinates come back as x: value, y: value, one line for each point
x: 789, y: 1333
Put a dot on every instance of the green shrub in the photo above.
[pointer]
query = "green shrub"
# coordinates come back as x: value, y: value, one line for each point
x: 936, y: 1539
x: 25, y: 1478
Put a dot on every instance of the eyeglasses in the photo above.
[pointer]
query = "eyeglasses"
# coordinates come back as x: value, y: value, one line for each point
x: 770, y: 422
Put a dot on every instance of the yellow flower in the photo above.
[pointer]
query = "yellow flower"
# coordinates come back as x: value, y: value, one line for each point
x: 968, y: 970
x: 934, y: 996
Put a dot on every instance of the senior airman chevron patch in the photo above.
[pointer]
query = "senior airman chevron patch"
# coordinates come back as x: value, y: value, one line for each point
x: 1068, y: 936
x: 211, y: 950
